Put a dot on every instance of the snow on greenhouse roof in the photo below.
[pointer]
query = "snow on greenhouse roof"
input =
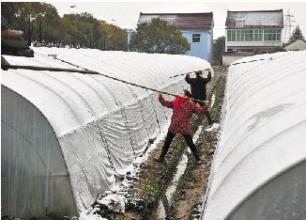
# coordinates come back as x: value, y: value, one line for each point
x: 263, y: 129
x: 101, y: 125
x: 79, y: 99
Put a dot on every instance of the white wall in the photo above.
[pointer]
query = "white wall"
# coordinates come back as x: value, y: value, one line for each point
x: 253, y: 43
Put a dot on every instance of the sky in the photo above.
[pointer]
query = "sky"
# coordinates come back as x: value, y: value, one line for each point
x: 125, y: 14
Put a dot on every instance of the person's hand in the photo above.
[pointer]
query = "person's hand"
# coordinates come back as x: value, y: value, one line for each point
x: 188, y: 74
x: 159, y: 93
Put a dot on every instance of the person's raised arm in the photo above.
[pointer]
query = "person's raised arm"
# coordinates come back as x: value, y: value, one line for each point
x: 164, y: 102
x: 187, y: 78
x: 208, y: 79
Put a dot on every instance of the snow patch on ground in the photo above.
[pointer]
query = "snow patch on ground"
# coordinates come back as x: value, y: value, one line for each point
x: 212, y: 101
x: 89, y: 216
x: 180, y: 171
x: 197, y: 134
x: 114, y: 202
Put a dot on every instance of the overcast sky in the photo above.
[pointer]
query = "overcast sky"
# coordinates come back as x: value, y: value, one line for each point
x: 125, y: 14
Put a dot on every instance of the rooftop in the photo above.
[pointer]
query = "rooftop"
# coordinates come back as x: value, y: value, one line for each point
x: 184, y: 21
x: 259, y: 18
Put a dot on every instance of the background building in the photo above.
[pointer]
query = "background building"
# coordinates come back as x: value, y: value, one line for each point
x: 197, y: 28
x: 296, y: 45
x: 254, y: 31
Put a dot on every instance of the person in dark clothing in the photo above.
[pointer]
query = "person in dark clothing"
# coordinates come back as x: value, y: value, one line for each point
x: 198, y: 90
x: 183, y: 108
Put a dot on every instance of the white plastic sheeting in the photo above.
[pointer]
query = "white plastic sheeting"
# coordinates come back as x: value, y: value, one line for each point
x: 79, y: 130
x: 258, y: 171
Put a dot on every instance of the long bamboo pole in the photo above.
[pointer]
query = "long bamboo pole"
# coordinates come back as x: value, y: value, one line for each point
x: 56, y: 69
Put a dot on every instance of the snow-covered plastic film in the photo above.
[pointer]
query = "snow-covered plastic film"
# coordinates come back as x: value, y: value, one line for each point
x: 67, y: 136
x: 258, y: 170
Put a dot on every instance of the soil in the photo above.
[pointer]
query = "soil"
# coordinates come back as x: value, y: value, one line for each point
x: 196, y: 184
x: 155, y: 177
x: 195, y: 187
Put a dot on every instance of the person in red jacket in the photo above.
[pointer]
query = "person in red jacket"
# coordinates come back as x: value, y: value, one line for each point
x: 183, y: 108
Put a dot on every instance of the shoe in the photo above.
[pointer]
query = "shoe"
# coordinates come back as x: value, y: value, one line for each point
x: 158, y: 159
x: 212, y: 127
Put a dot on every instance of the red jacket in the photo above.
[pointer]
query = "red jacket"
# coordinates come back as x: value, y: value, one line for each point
x: 182, y: 111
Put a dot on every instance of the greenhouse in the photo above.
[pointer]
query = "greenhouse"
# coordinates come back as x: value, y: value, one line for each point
x: 67, y: 137
x: 258, y: 170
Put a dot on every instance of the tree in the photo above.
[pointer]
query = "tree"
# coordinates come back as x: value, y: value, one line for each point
x: 218, y: 50
x: 297, y: 34
x: 113, y: 37
x: 47, y: 22
x: 8, y: 11
x: 158, y: 36
x: 35, y: 19
x: 40, y: 22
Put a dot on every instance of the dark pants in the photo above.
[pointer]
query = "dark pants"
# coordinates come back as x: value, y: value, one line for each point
x: 188, y: 139
x: 206, y: 113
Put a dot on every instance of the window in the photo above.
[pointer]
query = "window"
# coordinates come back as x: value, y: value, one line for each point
x: 278, y: 35
x: 240, y: 23
x: 258, y: 35
x: 249, y: 35
x: 196, y: 37
x: 267, y: 34
x: 272, y: 34
x: 238, y: 36
x: 234, y: 35
x: 254, y: 35
x: 229, y: 35
x: 242, y: 35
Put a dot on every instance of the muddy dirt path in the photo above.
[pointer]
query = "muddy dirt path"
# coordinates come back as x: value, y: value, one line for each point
x: 194, y: 181
x: 154, y: 177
